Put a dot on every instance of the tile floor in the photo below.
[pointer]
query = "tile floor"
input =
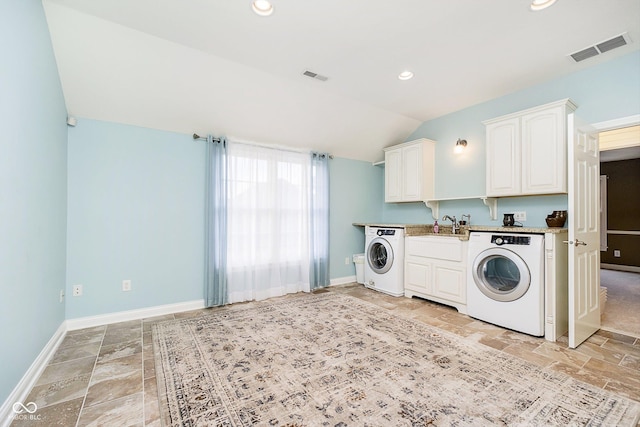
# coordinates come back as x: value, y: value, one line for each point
x: 105, y: 376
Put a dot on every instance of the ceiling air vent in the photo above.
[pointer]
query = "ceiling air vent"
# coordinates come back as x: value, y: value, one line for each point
x: 315, y: 76
x: 585, y: 54
x: 611, y: 44
x: 602, y: 47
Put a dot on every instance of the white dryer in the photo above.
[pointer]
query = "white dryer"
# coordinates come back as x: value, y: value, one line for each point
x: 384, y: 266
x: 505, y: 284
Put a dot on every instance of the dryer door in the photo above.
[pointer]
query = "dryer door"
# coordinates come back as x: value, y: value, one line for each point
x: 380, y: 255
x: 501, y: 274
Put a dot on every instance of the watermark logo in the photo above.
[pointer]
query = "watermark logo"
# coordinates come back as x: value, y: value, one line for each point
x: 27, y: 411
x: 20, y: 408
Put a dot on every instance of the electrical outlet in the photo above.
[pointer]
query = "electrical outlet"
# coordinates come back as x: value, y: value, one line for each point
x: 520, y: 216
x: 347, y: 261
x: 616, y: 253
x: 61, y: 295
x: 126, y: 285
x: 77, y: 290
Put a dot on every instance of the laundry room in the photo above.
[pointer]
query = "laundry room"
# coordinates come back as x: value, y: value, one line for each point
x: 342, y: 191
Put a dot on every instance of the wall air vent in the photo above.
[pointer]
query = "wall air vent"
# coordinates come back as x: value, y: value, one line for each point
x: 602, y: 47
x: 315, y: 76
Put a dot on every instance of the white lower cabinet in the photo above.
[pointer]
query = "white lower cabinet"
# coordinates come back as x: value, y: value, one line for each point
x: 435, y: 269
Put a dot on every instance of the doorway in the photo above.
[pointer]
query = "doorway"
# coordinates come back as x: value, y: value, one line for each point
x: 620, y: 229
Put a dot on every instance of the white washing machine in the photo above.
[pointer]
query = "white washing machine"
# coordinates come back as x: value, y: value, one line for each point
x: 384, y: 265
x: 505, y: 284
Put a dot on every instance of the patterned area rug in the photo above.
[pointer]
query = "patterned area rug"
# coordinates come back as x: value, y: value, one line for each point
x: 334, y: 360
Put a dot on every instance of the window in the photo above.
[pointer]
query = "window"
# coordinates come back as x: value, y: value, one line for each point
x: 268, y: 222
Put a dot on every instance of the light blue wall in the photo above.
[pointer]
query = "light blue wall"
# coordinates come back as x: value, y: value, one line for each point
x: 136, y: 209
x: 357, y: 195
x: 604, y: 92
x: 33, y: 143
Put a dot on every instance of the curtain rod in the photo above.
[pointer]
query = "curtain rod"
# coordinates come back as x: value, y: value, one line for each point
x: 196, y: 137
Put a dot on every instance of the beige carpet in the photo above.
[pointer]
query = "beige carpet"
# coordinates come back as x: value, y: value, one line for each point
x: 330, y: 359
x: 622, y: 309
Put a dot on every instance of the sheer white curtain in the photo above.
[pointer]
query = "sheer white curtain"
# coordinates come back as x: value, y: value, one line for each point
x: 268, y: 230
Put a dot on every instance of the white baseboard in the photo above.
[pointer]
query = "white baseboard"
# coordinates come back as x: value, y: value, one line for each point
x: 342, y: 280
x: 141, y: 313
x: 630, y: 268
x: 22, y: 389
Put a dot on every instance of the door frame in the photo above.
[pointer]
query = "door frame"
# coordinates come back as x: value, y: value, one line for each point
x: 618, y: 123
x: 622, y: 122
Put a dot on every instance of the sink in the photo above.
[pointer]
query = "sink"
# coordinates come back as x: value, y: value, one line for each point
x: 445, y: 232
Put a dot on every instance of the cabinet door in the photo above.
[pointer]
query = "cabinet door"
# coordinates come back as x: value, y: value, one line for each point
x: 544, y: 152
x: 450, y: 282
x: 417, y: 277
x: 503, y: 158
x: 392, y: 175
x: 412, y: 173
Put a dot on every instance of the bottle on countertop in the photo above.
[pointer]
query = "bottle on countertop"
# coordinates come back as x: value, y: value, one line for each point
x: 436, y: 227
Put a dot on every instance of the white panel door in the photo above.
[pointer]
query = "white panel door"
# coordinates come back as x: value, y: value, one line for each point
x: 584, y: 234
x: 503, y: 158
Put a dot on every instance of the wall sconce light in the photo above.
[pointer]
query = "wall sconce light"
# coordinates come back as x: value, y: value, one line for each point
x: 460, y: 146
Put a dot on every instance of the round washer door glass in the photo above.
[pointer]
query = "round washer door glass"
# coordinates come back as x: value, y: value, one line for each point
x: 380, y: 255
x: 501, y: 275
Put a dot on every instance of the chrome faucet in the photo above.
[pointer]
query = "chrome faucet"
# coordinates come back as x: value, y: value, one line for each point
x: 454, y: 223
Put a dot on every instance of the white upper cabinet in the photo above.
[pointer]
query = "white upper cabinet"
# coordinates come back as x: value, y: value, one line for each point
x: 544, y: 151
x: 527, y: 151
x: 409, y: 171
x: 392, y: 176
x: 503, y: 158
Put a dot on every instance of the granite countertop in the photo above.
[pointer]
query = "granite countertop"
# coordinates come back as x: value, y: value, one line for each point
x: 463, y: 234
x: 422, y: 229
x: 538, y: 230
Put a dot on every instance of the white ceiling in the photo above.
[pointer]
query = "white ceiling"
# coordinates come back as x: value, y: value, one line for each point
x: 213, y: 66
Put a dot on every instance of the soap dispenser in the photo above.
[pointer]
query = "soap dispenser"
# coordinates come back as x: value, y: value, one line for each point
x: 436, y: 227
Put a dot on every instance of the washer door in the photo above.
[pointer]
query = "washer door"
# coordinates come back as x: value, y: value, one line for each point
x: 501, y: 274
x: 380, y: 255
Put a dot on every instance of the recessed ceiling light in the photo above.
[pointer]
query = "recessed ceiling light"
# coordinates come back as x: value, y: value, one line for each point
x: 262, y: 7
x: 405, y: 75
x: 541, y: 4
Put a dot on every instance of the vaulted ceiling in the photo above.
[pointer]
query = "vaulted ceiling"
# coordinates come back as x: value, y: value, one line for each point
x: 213, y: 66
